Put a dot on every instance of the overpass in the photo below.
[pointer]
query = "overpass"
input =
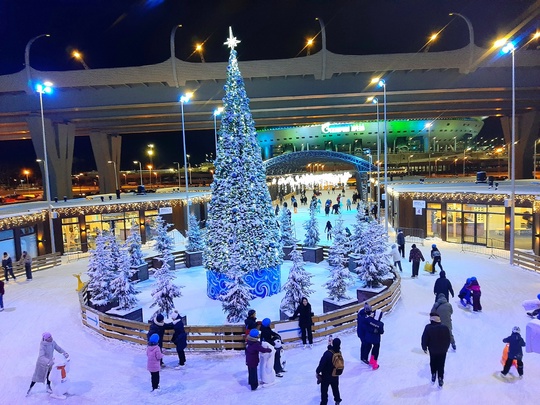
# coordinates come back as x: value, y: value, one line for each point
x: 325, y: 87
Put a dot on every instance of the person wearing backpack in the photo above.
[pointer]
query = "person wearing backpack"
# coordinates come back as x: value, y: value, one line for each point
x: 436, y: 256
x: 330, y: 368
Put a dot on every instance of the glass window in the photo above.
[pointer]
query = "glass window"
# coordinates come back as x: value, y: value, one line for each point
x: 475, y: 207
x: 453, y: 207
x: 523, y: 225
x: 71, y: 236
x: 433, y: 223
x: 73, y: 220
x: 6, y: 235
x: 437, y: 206
x: 496, y: 208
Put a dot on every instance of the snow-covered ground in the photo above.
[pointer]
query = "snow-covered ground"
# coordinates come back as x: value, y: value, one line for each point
x: 109, y: 372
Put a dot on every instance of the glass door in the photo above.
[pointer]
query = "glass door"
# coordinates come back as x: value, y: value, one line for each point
x: 474, y: 228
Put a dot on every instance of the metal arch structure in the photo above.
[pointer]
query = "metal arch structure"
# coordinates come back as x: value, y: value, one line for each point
x: 293, y: 162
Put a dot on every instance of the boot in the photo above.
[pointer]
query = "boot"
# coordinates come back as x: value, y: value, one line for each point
x: 373, y: 363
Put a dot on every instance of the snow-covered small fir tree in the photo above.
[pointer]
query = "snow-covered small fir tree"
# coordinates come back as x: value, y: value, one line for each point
x: 374, y: 263
x: 165, y: 290
x: 298, y: 283
x: 338, y: 251
x: 121, y: 285
x: 133, y: 243
x: 312, y: 230
x: 237, y: 295
x: 287, y: 236
x: 195, y: 242
x: 340, y: 279
x: 357, y: 239
x: 100, y: 271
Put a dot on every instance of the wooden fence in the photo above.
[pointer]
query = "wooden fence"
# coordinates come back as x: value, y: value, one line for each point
x: 228, y: 337
x: 527, y: 261
x: 38, y: 263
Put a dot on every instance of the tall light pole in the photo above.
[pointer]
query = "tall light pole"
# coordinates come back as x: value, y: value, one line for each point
x: 217, y: 112
x: 27, y: 59
x: 185, y: 99
x: 178, y: 168
x: 173, y: 54
x: 464, y: 159
x: 140, y: 170
x: 323, y: 35
x: 534, y: 159
x: 471, y: 37
x: 77, y: 55
x: 115, y: 177
x: 199, y: 49
x: 375, y: 101
x: 189, y: 168
x: 428, y: 126
x: 382, y: 83
x: 150, y: 167
x: 508, y: 47
x: 41, y: 88
x: 27, y: 172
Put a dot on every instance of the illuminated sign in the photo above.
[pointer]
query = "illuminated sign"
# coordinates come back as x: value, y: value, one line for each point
x: 341, y: 128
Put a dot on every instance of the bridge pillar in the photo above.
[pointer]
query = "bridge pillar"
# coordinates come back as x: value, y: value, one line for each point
x: 106, y: 147
x: 527, y: 132
x: 60, y: 139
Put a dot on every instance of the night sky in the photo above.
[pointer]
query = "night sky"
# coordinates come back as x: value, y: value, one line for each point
x: 119, y: 33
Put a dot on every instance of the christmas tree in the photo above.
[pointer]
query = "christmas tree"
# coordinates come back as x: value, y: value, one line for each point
x: 240, y: 215
x: 100, y: 271
x: 165, y: 290
x: 338, y: 251
x: 298, y: 284
x: 374, y: 263
x: 340, y: 276
x: 340, y: 279
x: 237, y: 294
x: 121, y: 285
x: 357, y: 239
x: 287, y: 237
x: 195, y: 242
x: 312, y: 230
x: 133, y: 243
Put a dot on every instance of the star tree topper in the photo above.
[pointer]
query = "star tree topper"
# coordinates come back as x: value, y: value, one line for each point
x: 232, y: 42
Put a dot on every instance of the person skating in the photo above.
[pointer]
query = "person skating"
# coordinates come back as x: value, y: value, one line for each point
x: 325, y: 371
x: 154, y: 358
x: 7, y: 264
x: 400, y: 240
x: 179, y: 338
x: 47, y: 347
x: 158, y: 326
x: 436, y: 339
x: 444, y: 309
x: 436, y: 257
x: 304, y: 314
x: 268, y: 335
x: 26, y: 260
x: 396, y: 256
x: 361, y: 320
x: 465, y: 294
x: 515, y: 352
x: 476, y: 294
x: 328, y: 230
x: 374, y: 330
x: 253, y: 348
x: 415, y: 256
x: 443, y: 286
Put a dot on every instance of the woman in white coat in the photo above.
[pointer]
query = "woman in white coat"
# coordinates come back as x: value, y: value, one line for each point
x: 396, y: 256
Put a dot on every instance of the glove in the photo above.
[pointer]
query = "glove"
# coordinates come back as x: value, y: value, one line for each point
x: 425, y: 351
x: 319, y: 379
x: 66, y: 355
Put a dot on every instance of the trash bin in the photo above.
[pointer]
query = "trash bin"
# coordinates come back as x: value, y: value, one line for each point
x: 141, y: 189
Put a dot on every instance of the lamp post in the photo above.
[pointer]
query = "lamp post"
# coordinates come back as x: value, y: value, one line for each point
x: 508, y: 47
x: 323, y: 34
x: 428, y: 127
x: 382, y: 83
x: 46, y: 87
x: 115, y: 177
x: 173, y: 54
x: 178, y: 168
x: 464, y: 159
x: 375, y: 101
x: 185, y: 99
x: 27, y: 58
x: 189, y: 168
x: 217, y: 112
x: 199, y: 49
x: 27, y: 172
x: 409, y: 164
x: 534, y: 159
x: 140, y: 170
x: 370, y: 156
x: 150, y: 167
x: 77, y: 55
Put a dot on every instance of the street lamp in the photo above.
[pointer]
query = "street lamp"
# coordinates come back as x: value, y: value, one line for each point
x: 27, y: 58
x: 41, y: 88
x: 465, y: 159
x: 375, y: 101
x: 150, y: 153
x: 178, y: 168
x: 534, y: 158
x: 115, y: 177
x: 173, y: 53
x: 26, y: 173
x: 185, y: 99
x: 189, y: 168
x: 199, y: 49
x: 309, y: 44
x: 508, y: 47
x: 409, y: 165
x: 217, y: 112
x: 77, y: 55
x: 428, y: 127
x: 140, y: 170
x: 382, y: 83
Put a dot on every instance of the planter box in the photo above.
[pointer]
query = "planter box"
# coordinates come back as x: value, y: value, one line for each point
x: 313, y: 255
x: 193, y: 259
x: 157, y: 263
x: 140, y: 273
x: 287, y: 251
x: 129, y: 314
x: 330, y: 305
x: 352, y: 261
x: 364, y: 294
x: 104, y: 308
x: 284, y: 316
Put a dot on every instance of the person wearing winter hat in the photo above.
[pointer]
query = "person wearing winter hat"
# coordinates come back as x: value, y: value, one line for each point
x: 515, y: 352
x: 7, y: 264
x: 253, y: 348
x: 400, y: 240
x: 158, y: 326
x: 45, y: 361
x: 374, y: 330
x: 154, y: 357
x: 415, y: 256
x: 325, y: 370
x: 268, y: 335
x: 179, y: 338
x: 396, y: 256
x: 436, y: 339
x: 361, y: 320
x: 444, y: 309
x: 304, y: 315
x: 476, y: 294
x: 436, y: 257
x: 443, y: 286
x: 251, y: 321
x: 465, y: 294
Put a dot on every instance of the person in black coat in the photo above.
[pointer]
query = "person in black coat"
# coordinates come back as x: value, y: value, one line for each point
x: 179, y: 338
x: 304, y: 314
x: 443, y: 286
x: 374, y: 330
x: 251, y: 321
x: 324, y: 373
x: 7, y: 264
x: 158, y: 325
x: 361, y: 332
x: 400, y: 240
x: 436, y: 257
x: 268, y: 335
x: 436, y: 339
x: 515, y: 352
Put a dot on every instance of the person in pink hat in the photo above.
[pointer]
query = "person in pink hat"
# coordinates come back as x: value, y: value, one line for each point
x: 45, y: 361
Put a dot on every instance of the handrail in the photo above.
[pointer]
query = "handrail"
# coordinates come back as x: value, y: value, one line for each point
x: 39, y: 263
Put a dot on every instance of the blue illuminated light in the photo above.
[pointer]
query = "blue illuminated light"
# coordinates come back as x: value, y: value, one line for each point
x: 44, y: 87
x: 509, y: 47
x: 382, y: 83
